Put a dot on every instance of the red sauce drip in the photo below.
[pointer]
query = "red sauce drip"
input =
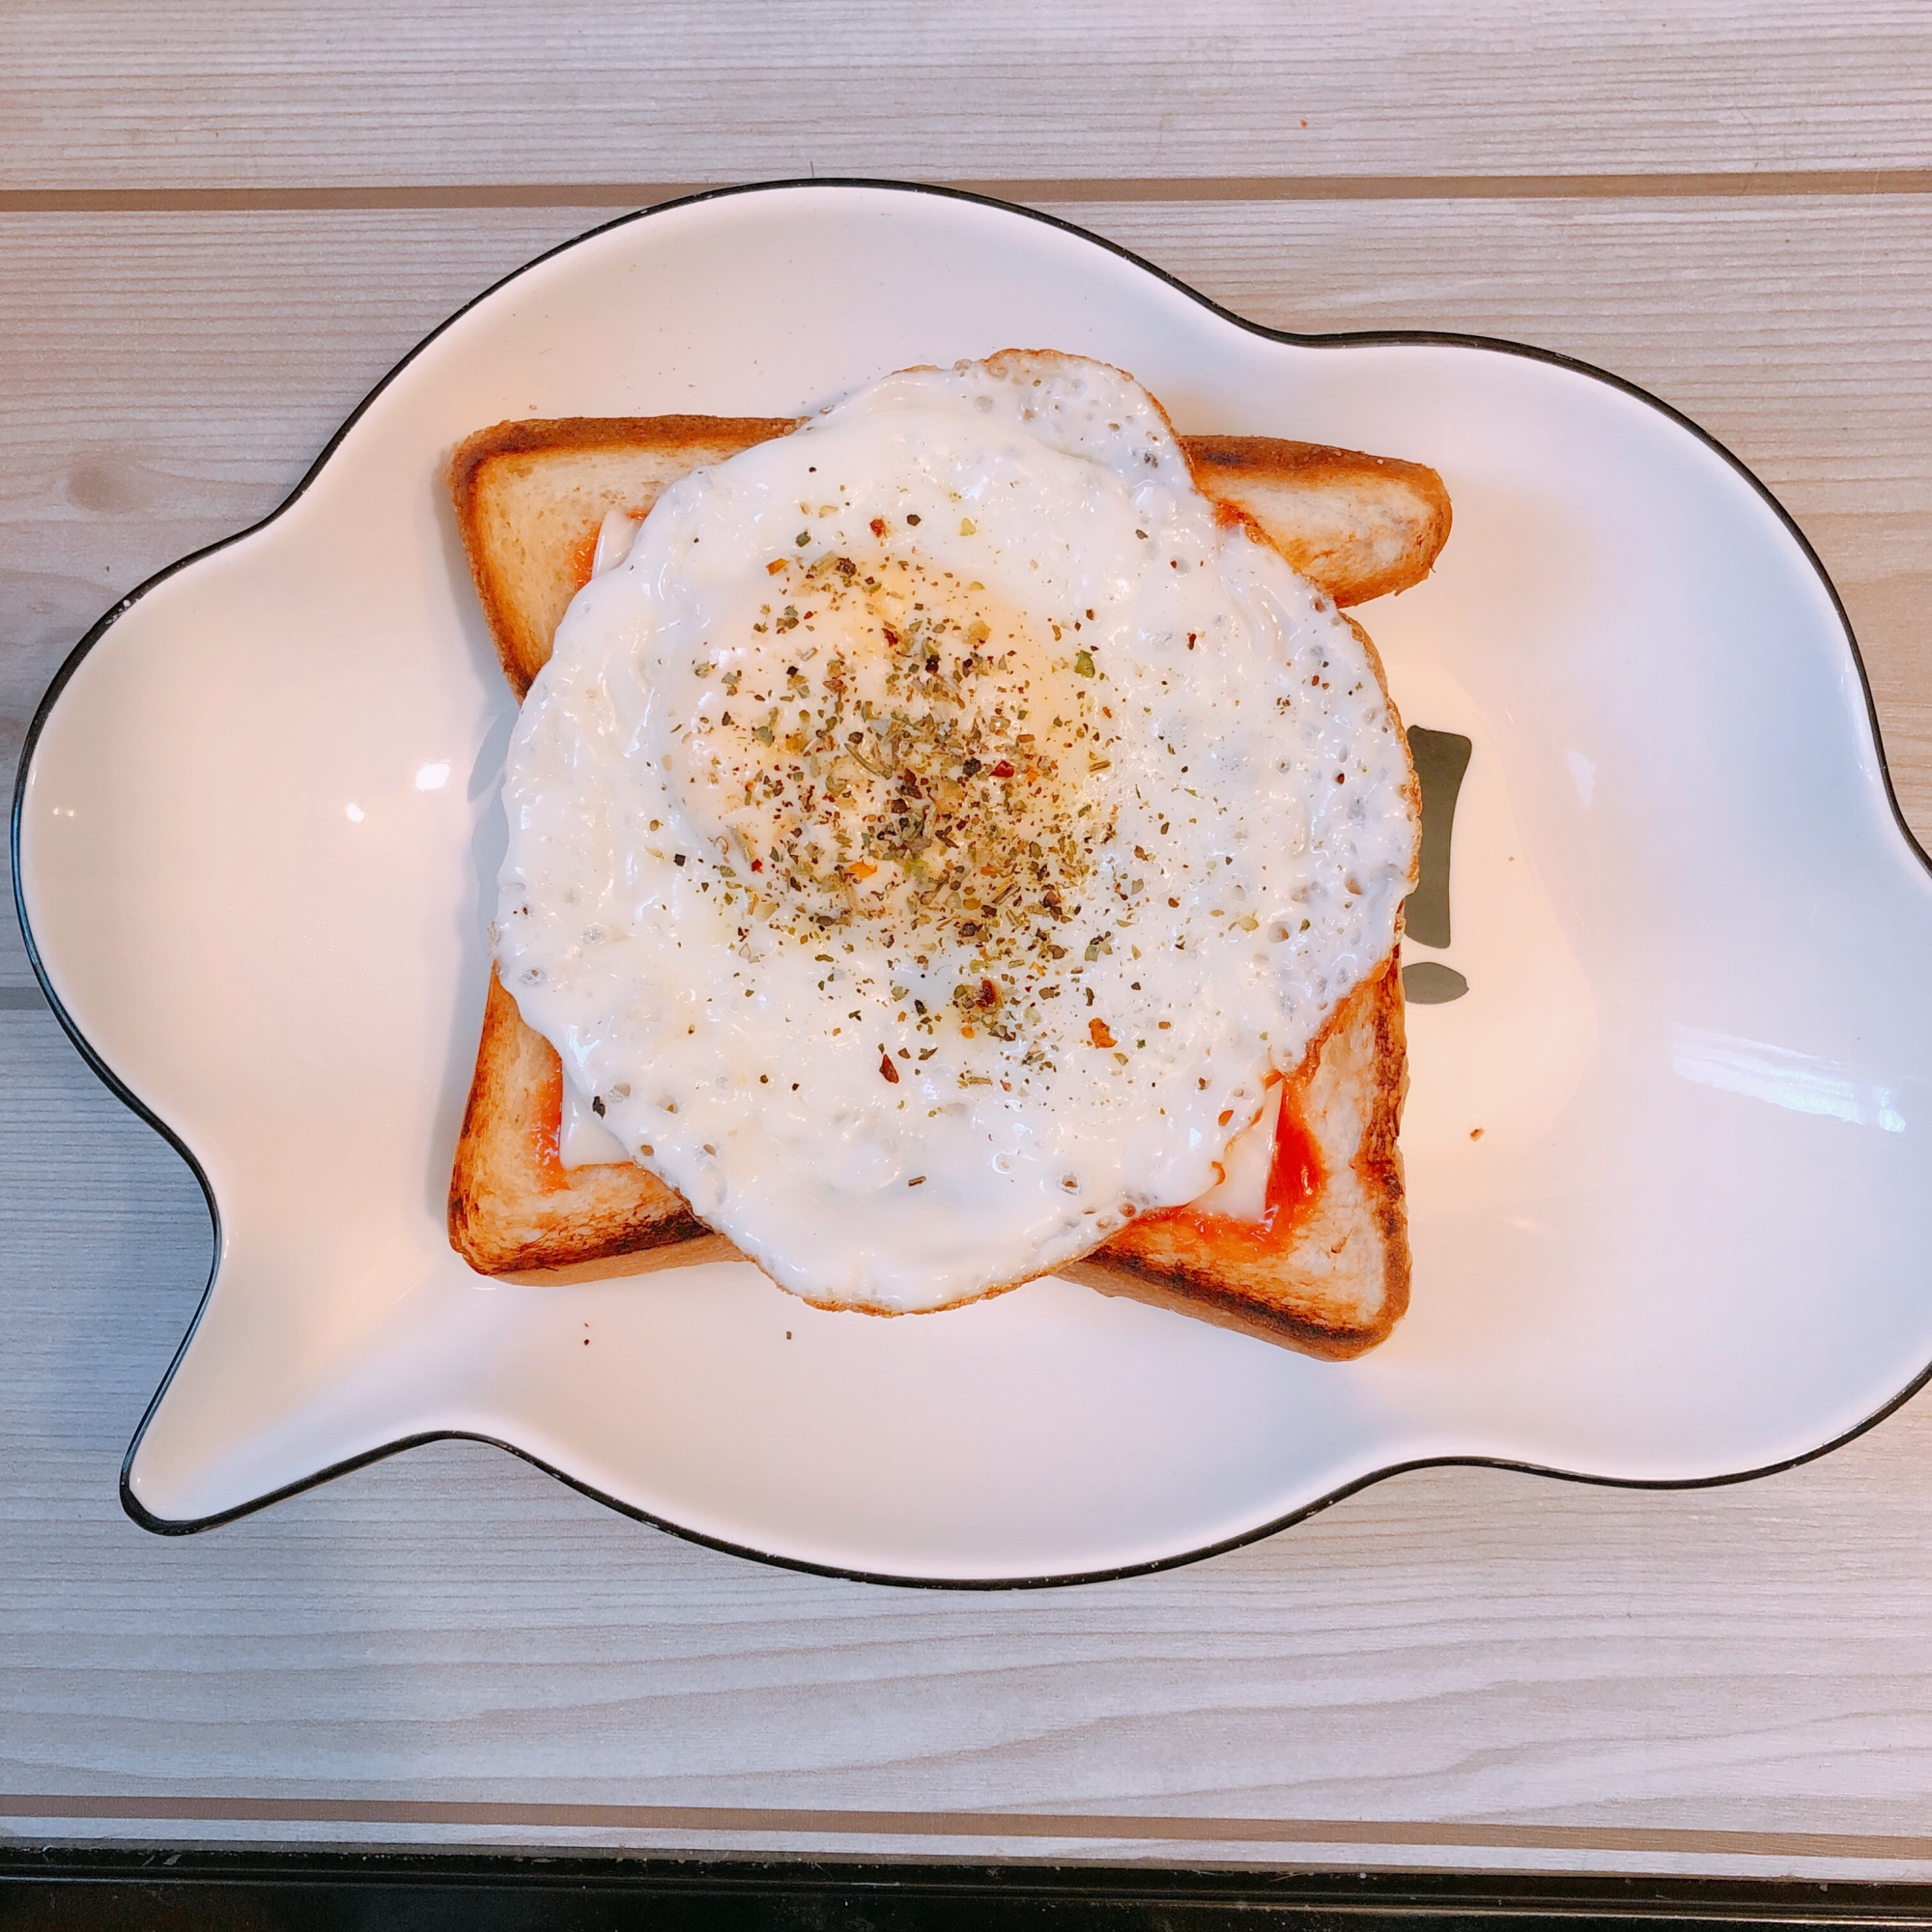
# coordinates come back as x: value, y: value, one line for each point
x: 1294, y: 1184
x: 546, y: 1127
x: 584, y: 552
x: 581, y: 557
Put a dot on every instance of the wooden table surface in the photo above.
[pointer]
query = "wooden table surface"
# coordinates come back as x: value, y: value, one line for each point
x: 221, y: 226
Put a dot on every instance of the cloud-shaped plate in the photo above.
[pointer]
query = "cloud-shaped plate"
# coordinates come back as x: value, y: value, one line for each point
x: 1688, y: 1243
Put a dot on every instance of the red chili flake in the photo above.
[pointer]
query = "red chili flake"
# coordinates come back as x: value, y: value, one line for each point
x: 757, y: 864
x: 1003, y: 770
x: 887, y: 1067
x: 1099, y: 1034
x: 878, y: 526
x: 989, y: 994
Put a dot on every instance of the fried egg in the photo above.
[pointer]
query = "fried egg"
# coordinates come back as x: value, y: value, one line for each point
x: 930, y: 838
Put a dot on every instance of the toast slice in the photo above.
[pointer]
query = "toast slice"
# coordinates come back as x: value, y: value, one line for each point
x: 530, y: 498
x: 1357, y: 526
x: 513, y: 1205
x: 1328, y: 1273
x: 1328, y: 1276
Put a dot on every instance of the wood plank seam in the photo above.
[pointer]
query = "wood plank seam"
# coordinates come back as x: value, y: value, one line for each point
x: 323, y: 198
x: 708, y: 1818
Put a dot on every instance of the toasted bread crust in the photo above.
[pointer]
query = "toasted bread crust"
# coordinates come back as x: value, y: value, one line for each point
x: 1334, y: 1287
x: 530, y: 499
x: 531, y: 496
x: 1339, y: 1282
x: 512, y: 1204
x: 529, y: 493
x: 1357, y: 526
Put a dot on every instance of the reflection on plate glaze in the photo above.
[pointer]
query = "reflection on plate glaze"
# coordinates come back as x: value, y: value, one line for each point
x: 1800, y: 1083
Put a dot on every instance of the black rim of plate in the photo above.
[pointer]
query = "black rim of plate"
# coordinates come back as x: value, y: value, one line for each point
x: 167, y: 1526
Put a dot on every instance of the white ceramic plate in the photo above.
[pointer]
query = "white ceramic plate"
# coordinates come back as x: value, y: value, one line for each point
x: 259, y: 811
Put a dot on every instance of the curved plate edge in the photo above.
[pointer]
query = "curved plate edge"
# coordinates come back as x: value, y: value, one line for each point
x: 159, y: 1525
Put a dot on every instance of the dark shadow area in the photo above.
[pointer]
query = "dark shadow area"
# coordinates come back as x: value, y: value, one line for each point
x: 67, y: 1891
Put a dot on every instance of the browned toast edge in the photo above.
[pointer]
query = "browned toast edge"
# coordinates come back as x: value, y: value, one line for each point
x: 1238, y: 471
x: 1241, y: 470
x: 710, y: 438
x: 1166, y: 1265
x: 512, y: 1204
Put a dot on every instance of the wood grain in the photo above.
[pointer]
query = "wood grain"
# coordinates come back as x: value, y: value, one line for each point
x: 1726, y: 203
x: 117, y: 96
x: 1031, y: 190
x: 1526, y: 1658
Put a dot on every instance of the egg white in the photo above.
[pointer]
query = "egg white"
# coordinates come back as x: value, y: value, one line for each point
x: 925, y: 841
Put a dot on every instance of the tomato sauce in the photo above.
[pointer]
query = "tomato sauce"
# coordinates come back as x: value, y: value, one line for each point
x: 1294, y: 1182
x: 545, y: 1126
x: 583, y: 556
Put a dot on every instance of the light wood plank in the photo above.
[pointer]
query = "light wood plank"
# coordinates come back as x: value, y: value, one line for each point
x: 172, y: 377
x: 118, y: 95
x: 1453, y: 1645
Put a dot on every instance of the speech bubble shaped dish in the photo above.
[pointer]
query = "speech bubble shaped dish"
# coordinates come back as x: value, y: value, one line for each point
x: 1668, y: 1142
